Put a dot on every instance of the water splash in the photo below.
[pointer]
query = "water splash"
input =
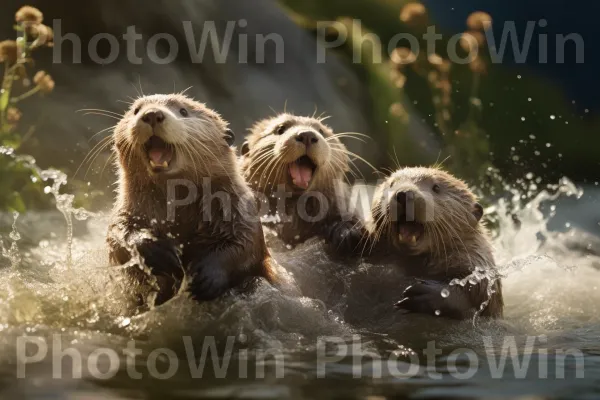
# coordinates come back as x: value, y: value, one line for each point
x: 64, y: 202
x: 12, y: 253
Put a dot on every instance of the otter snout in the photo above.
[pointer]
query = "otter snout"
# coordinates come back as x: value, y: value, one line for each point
x: 405, y: 205
x: 153, y: 117
x: 307, y: 137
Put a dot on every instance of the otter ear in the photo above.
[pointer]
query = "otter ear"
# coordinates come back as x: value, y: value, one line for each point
x: 477, y: 211
x: 245, y: 148
x: 229, y: 137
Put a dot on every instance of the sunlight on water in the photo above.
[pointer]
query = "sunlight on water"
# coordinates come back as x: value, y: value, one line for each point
x: 551, y: 286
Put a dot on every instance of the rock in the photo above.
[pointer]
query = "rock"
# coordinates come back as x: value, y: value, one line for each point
x: 241, y: 92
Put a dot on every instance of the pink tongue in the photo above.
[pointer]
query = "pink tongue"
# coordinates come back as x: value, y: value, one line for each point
x: 156, y: 155
x: 301, y: 175
x: 405, y: 231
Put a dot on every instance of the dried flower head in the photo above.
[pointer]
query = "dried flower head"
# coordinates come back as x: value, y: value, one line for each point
x: 42, y: 34
x: 479, y: 21
x: 44, y: 82
x: 403, y: 56
x: 478, y: 66
x: 397, y: 110
x: 414, y: 15
x: 472, y: 40
x: 28, y: 14
x: 8, y: 51
x: 13, y: 115
x: 398, y: 78
x: 435, y: 59
x: 433, y: 77
x: 444, y: 86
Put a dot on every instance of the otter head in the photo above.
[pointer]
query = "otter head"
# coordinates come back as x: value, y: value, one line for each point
x: 166, y: 135
x: 300, y: 153
x: 425, y: 209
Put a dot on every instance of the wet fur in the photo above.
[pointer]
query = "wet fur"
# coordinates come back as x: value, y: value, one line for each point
x: 454, y: 244
x: 214, y: 253
x: 266, y: 155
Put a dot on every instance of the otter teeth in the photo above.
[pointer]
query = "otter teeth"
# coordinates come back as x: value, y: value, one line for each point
x: 413, y: 239
x: 164, y: 164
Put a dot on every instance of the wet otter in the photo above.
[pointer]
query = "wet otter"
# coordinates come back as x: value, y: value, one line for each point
x: 429, y: 223
x: 299, y: 166
x: 182, y: 204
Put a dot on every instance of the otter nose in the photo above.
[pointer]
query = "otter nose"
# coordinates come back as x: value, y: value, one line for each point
x: 307, y: 138
x: 405, y: 196
x: 405, y: 209
x: 153, y: 117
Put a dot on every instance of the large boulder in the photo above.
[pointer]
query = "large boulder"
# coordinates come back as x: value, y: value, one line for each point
x: 242, y: 92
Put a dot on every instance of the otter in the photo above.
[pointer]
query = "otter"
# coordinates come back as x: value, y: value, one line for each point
x: 174, y: 159
x: 299, y: 166
x: 428, y: 222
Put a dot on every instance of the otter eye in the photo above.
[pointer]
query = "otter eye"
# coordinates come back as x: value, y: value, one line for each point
x: 321, y: 131
x: 183, y: 112
x: 436, y: 188
x: 281, y: 129
x: 136, y: 111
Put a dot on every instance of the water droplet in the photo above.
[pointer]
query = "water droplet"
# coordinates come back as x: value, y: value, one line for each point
x: 529, y: 99
x: 445, y: 293
x: 522, y: 118
x: 438, y: 312
x: 552, y: 117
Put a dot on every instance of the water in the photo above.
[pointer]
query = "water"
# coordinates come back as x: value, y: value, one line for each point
x: 343, y: 340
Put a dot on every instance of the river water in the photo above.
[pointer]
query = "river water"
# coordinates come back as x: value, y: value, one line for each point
x: 66, y: 331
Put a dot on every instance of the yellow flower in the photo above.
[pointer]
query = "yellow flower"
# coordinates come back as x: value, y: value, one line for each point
x: 8, y: 51
x: 44, y: 82
x: 414, y: 15
x: 479, y: 21
x: 13, y: 115
x: 28, y: 14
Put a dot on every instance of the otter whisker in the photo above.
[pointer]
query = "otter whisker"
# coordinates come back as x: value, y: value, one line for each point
x: 98, y: 147
x: 98, y: 110
x: 351, y: 154
x: 354, y: 135
x: 102, y: 131
x: 265, y: 161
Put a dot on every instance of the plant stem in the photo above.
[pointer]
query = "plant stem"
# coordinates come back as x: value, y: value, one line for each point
x: 25, y: 95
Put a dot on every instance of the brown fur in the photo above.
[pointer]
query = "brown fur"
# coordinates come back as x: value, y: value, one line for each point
x: 269, y: 150
x: 453, y: 244
x: 217, y: 248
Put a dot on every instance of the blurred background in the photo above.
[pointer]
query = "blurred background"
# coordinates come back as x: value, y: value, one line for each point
x: 510, y: 118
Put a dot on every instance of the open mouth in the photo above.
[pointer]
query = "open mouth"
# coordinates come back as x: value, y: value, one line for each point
x: 410, y: 232
x: 302, y: 171
x: 160, y: 153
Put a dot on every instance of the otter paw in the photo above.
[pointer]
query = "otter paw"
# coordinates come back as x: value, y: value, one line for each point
x: 424, y: 297
x: 160, y: 256
x: 209, y: 283
x: 345, y: 238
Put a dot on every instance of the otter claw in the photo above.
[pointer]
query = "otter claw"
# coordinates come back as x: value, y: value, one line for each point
x: 209, y: 283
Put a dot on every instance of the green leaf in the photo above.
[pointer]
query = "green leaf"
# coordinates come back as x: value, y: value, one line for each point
x: 4, y: 99
x: 16, y: 203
